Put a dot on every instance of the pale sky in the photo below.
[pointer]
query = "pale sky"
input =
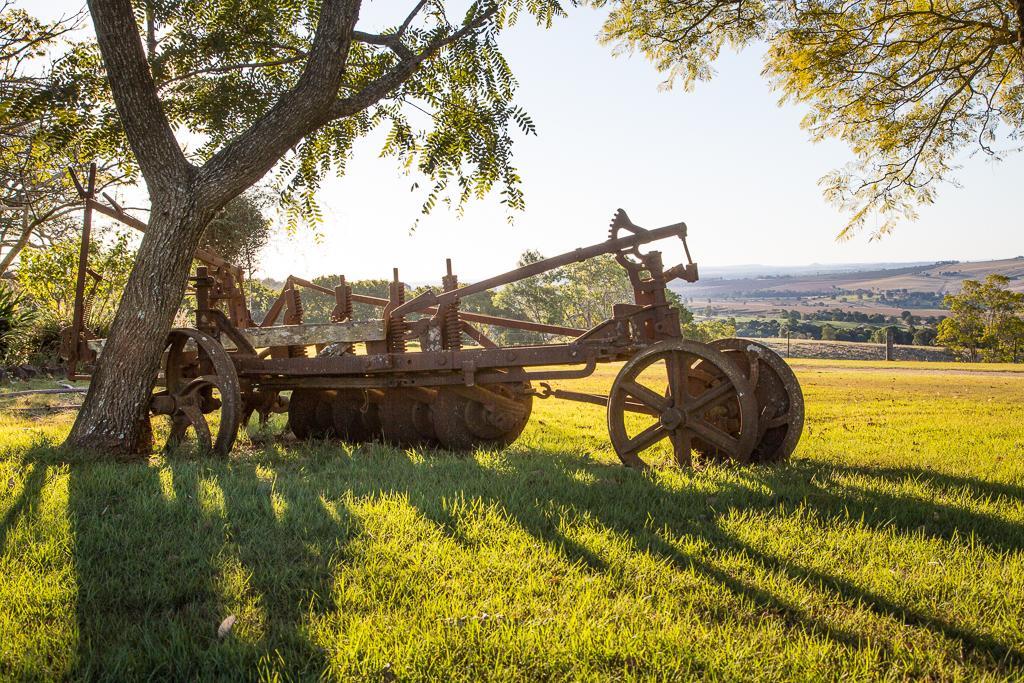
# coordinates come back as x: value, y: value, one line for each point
x: 724, y: 158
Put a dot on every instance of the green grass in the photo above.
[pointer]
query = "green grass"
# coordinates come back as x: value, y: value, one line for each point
x: 891, y: 547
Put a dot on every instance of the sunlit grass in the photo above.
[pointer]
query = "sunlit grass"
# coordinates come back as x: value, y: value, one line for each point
x: 891, y: 547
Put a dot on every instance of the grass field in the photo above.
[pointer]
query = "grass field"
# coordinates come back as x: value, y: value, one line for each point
x: 892, y: 547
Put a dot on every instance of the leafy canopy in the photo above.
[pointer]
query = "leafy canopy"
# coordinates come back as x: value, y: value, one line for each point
x: 239, y: 231
x: 985, y: 317
x: 44, y: 128
x: 221, y: 64
x: 910, y: 85
x: 47, y: 277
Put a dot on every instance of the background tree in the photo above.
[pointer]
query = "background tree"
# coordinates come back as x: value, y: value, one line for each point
x: 276, y: 84
x: 239, y: 231
x: 46, y: 278
x: 910, y: 85
x: 535, y: 298
x: 587, y: 290
x: 15, y: 321
x: 986, y: 319
x: 42, y: 131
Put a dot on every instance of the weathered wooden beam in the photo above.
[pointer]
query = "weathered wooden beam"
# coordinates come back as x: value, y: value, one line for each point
x: 308, y: 334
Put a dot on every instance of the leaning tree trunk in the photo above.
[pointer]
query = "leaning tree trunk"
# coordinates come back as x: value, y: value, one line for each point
x: 114, y: 416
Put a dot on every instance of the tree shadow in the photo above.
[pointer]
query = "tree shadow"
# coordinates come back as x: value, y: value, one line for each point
x: 633, y: 505
x: 151, y: 542
x: 26, y: 500
x: 160, y: 552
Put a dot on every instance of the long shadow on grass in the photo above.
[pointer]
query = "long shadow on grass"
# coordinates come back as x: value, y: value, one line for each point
x: 288, y: 551
x: 31, y: 489
x: 152, y: 562
x: 636, y: 506
x: 621, y: 500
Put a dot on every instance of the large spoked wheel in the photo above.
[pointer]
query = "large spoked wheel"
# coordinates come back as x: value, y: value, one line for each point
x: 780, y: 400
x: 697, y: 398
x: 200, y: 380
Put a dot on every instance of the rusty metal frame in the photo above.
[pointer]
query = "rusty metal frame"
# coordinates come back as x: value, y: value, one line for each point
x: 221, y: 311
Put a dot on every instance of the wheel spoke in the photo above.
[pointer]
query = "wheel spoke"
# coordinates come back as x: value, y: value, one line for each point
x: 652, y: 435
x: 715, y: 436
x: 202, y: 429
x: 645, y: 395
x: 678, y: 377
x: 681, y: 447
x: 711, y: 397
x: 179, y: 423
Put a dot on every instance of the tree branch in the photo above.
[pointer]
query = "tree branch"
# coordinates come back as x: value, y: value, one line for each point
x: 146, y: 126
x: 304, y: 107
x: 380, y: 87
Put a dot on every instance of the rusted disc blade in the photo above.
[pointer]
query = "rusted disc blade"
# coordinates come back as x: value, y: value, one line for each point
x: 347, y: 416
x: 501, y: 419
x: 398, y: 418
x: 463, y: 423
x: 302, y: 413
x: 448, y: 414
x: 694, y: 400
x: 779, y: 397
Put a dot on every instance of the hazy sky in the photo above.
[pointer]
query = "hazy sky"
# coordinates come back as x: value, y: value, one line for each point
x: 725, y: 159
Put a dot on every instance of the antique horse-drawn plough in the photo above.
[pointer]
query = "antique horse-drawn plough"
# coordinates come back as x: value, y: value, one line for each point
x: 409, y: 377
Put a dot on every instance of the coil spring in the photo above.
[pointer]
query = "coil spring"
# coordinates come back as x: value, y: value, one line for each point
x: 87, y: 308
x: 452, y: 323
x: 295, y: 317
x: 348, y: 302
x: 397, y: 327
x: 453, y: 327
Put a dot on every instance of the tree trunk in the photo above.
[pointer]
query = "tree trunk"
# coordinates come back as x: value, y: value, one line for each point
x: 26, y: 233
x: 114, y: 417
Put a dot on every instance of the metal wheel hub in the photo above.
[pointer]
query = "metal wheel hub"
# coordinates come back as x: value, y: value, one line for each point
x: 673, y: 418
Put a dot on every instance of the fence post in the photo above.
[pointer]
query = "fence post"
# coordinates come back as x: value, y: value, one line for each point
x: 888, y: 343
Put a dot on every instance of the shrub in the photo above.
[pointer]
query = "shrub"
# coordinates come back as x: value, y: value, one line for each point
x: 16, y: 319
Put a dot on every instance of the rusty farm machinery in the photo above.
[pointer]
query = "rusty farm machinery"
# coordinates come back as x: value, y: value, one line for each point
x: 424, y: 373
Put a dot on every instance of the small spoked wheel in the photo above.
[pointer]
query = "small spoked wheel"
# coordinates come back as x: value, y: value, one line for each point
x: 200, y: 380
x: 678, y: 396
x: 780, y: 400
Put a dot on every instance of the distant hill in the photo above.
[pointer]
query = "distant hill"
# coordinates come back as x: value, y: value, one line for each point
x: 939, y: 278
x: 885, y: 288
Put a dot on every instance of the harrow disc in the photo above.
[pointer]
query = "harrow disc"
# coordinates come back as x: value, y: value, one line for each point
x: 780, y: 400
x: 462, y: 422
x: 700, y: 401
x: 348, y: 416
x: 200, y: 380
x: 305, y: 414
x: 402, y: 419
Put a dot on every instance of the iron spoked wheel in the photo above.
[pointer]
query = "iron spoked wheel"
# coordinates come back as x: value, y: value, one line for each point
x: 779, y: 397
x: 698, y: 399
x: 199, y: 381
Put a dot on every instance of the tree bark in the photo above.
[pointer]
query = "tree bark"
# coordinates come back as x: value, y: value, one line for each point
x: 114, y: 416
